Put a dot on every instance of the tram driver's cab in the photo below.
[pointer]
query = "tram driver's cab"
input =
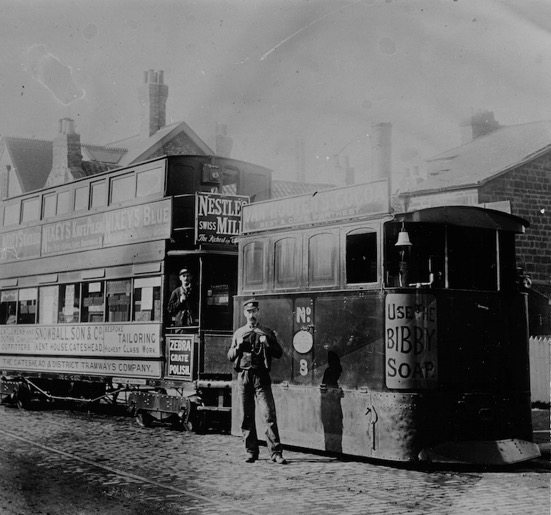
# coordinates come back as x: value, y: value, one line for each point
x: 471, y: 250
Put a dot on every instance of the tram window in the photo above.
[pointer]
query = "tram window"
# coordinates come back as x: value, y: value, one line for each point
x: 63, y: 202
x: 31, y: 209
x: 118, y: 301
x: 48, y: 305
x: 11, y: 214
x: 81, y: 198
x: 322, y: 259
x: 472, y: 258
x: 49, y: 203
x: 361, y: 257
x: 287, y: 263
x: 8, y: 307
x: 230, y: 177
x: 69, y: 303
x: 26, y: 313
x: 253, y: 258
x: 147, y: 299
x: 99, y: 194
x: 507, y: 261
x: 93, y: 302
x: 150, y: 182
x: 122, y: 189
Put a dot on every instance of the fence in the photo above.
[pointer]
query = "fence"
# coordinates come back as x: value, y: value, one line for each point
x: 540, y: 364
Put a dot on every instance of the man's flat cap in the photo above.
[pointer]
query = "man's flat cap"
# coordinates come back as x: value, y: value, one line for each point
x: 184, y: 270
x: 250, y: 304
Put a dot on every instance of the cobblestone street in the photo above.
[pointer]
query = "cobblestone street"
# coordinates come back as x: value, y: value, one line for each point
x: 158, y: 470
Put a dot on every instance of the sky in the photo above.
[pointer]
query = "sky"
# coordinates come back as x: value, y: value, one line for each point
x: 278, y: 72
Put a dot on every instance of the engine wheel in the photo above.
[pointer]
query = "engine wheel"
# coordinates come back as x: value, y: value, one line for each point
x: 23, y: 397
x: 144, y: 419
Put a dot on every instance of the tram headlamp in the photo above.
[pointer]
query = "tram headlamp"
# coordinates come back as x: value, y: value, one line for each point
x: 211, y: 174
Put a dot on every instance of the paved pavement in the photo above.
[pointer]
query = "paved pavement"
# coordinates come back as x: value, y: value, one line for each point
x: 206, y: 474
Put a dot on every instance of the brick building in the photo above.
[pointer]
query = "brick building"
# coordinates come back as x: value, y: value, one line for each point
x: 505, y: 168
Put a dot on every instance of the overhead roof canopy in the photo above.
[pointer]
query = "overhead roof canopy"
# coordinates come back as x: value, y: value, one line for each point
x: 466, y: 216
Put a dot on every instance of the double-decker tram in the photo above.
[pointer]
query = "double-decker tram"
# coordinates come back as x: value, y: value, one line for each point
x: 87, y: 271
x: 404, y: 334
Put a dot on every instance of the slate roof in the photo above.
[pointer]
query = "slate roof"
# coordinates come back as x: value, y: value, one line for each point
x: 484, y: 158
x: 32, y: 160
x: 290, y: 188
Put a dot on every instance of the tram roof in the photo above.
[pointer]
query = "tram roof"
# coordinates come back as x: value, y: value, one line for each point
x: 466, y: 216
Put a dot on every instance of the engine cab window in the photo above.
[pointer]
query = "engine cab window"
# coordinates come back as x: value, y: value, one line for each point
x: 361, y: 257
x: 446, y: 256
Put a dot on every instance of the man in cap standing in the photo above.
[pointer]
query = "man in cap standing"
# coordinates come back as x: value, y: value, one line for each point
x: 252, y: 349
x: 183, y: 301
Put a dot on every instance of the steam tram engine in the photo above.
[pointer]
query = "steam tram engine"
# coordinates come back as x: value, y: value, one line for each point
x: 405, y: 334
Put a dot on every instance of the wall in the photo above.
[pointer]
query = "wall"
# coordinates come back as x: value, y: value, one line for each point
x: 529, y: 190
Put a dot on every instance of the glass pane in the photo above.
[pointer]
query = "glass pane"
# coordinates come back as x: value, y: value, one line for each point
x: 253, y: 264
x: 472, y: 258
x: 48, y: 305
x: 361, y: 257
x: 150, y: 182
x: 49, y: 205
x: 93, y: 302
x: 147, y: 299
x: 99, y: 194
x: 63, y: 202
x: 69, y: 303
x: 8, y: 307
x: 11, y: 214
x: 287, y: 264
x: 31, y: 209
x: 118, y: 301
x: 81, y: 198
x: 122, y: 189
x: 26, y: 313
x: 322, y: 258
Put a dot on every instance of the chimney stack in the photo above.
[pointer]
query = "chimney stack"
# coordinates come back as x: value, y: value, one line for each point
x: 478, y: 125
x: 152, y: 95
x: 381, y: 150
x: 66, y: 157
